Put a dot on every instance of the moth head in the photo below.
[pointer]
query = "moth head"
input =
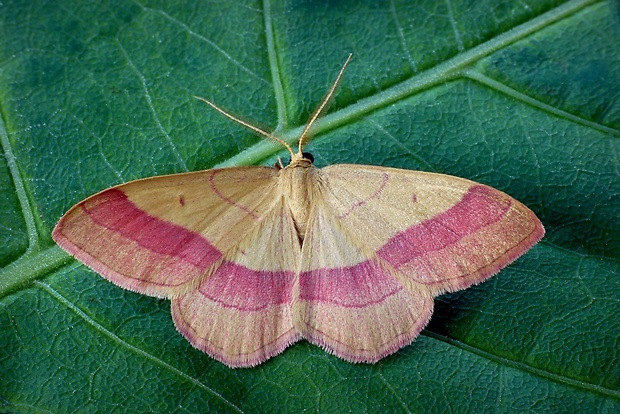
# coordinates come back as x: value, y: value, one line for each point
x: 305, y: 159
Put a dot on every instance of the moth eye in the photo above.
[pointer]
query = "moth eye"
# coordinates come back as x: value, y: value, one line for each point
x: 308, y: 156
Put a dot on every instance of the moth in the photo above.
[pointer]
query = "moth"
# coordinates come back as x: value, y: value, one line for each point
x: 253, y: 259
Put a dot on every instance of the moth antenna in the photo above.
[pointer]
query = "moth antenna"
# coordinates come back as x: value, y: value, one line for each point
x: 249, y: 126
x: 318, y: 111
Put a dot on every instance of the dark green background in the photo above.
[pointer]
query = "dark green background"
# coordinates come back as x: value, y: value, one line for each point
x: 521, y: 95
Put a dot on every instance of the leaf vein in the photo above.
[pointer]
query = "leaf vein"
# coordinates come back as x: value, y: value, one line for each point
x: 111, y: 335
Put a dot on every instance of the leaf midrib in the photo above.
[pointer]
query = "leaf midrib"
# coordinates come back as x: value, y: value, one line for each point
x: 448, y: 70
x: 112, y: 336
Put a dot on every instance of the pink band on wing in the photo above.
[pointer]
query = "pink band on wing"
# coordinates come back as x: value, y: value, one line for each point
x: 478, y: 208
x: 353, y: 287
x: 236, y: 286
x: 114, y: 211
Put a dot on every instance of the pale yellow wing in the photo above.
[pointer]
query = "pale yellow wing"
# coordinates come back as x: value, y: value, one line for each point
x: 241, y: 314
x: 382, y: 242
x: 348, y: 301
x: 159, y: 234
x: 440, y: 231
x: 219, y: 243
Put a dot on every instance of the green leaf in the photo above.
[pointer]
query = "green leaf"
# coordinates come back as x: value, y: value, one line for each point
x: 521, y: 95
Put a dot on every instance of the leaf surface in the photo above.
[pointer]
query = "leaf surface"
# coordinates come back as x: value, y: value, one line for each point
x: 519, y: 95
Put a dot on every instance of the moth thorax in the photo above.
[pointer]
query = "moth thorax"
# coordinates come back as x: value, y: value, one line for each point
x: 298, y: 183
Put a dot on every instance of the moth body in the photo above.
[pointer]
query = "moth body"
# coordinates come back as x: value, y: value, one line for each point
x: 297, y: 185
